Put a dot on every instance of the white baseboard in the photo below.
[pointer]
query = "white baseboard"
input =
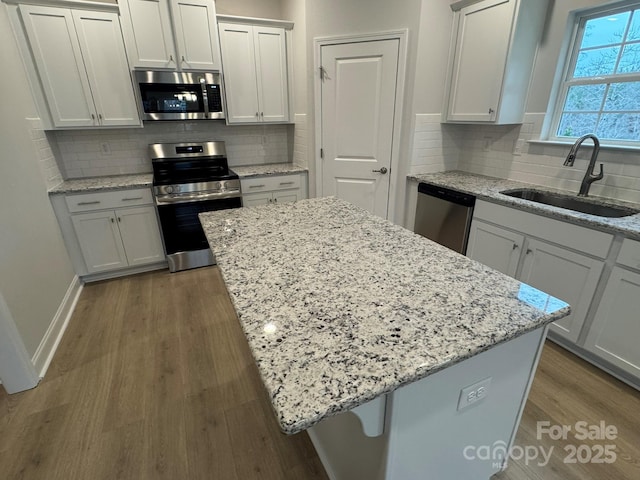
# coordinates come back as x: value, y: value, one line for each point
x: 49, y: 344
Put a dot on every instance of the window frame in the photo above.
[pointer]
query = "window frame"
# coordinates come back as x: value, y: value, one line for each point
x: 571, y: 57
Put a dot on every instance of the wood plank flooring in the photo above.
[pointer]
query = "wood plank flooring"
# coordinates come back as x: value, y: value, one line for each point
x: 566, y: 390
x: 154, y: 380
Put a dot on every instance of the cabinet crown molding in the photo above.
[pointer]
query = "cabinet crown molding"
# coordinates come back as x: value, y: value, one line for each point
x: 75, y: 4
x: 286, y: 24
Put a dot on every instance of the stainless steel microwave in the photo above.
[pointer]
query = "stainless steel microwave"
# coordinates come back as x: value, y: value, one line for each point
x: 180, y: 95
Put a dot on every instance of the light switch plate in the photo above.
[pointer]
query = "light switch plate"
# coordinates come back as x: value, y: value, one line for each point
x: 474, y: 393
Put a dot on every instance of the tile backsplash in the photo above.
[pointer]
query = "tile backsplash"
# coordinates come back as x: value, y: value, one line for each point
x: 85, y: 153
x: 493, y: 150
x: 44, y: 144
x: 435, y: 145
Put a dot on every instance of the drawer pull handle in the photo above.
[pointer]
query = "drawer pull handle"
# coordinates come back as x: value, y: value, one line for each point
x: 95, y: 202
x: 256, y: 186
x: 287, y: 183
x: 130, y: 199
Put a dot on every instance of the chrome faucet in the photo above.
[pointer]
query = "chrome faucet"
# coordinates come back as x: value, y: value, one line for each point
x: 589, y: 177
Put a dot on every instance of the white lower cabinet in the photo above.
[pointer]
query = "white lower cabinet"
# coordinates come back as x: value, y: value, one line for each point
x: 273, y: 189
x: 110, y: 233
x: 495, y: 247
x: 558, y: 258
x: 615, y: 330
x: 100, y: 241
x: 114, y: 239
x: 567, y: 275
x: 571, y: 263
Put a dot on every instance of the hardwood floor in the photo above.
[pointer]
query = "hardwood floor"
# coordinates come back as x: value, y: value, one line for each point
x: 154, y: 380
x: 566, y: 390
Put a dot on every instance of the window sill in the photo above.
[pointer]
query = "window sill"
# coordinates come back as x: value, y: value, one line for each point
x: 603, y: 146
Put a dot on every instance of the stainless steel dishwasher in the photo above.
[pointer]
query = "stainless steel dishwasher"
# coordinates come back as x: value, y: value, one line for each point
x: 444, y: 216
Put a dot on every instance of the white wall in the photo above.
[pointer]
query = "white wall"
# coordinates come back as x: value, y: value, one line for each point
x: 339, y: 17
x: 35, y: 270
x: 250, y: 8
x: 295, y: 11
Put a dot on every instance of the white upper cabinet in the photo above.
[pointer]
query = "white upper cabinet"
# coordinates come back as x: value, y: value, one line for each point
x: 107, y: 68
x: 255, y: 72
x: 82, y: 66
x: 146, y: 25
x: 171, y: 34
x: 493, y: 49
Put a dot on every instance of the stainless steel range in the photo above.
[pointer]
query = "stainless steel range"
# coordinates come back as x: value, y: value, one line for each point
x: 190, y: 178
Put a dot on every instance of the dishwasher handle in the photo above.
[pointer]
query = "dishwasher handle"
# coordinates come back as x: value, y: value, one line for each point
x: 447, y: 194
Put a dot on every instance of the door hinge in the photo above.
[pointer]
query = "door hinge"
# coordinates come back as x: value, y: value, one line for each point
x: 322, y: 73
x: 321, y: 153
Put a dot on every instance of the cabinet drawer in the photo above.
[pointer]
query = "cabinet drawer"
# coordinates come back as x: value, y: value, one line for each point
x: 630, y: 254
x: 113, y: 199
x: 264, y: 184
x: 582, y: 239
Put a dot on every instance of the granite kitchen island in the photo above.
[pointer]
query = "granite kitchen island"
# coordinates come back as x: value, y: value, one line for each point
x: 398, y: 355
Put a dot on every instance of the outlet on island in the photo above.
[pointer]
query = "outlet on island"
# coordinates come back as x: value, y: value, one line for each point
x: 473, y: 393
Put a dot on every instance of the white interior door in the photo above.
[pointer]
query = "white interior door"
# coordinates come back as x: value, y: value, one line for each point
x: 358, y: 104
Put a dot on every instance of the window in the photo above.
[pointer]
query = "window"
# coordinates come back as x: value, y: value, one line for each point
x: 601, y: 89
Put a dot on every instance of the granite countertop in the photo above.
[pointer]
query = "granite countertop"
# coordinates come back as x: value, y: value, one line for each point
x: 94, y: 184
x: 268, y: 169
x: 116, y: 182
x: 489, y: 188
x: 340, y: 306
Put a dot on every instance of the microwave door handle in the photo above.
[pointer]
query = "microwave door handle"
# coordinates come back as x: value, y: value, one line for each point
x: 205, y: 99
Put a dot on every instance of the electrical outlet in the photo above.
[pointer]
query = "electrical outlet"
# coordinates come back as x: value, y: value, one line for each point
x: 517, y: 149
x: 486, y: 146
x: 473, y: 393
x: 105, y: 148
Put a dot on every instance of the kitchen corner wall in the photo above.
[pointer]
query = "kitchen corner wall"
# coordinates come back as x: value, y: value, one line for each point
x: 489, y: 150
x: 85, y: 153
x: 435, y: 146
x: 300, y: 143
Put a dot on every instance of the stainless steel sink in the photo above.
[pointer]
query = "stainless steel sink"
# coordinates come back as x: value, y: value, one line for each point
x: 577, y: 204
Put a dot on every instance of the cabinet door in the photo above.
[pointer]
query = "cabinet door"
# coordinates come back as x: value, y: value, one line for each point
x: 140, y: 235
x: 100, y: 241
x: 271, y: 70
x: 147, y: 30
x: 567, y: 275
x: 482, y: 44
x: 107, y: 68
x: 253, y: 199
x: 286, y: 196
x: 615, y: 330
x: 239, y: 69
x: 196, y: 34
x: 495, y: 247
x: 56, y: 51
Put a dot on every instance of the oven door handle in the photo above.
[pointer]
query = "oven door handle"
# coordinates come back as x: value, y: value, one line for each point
x: 169, y: 199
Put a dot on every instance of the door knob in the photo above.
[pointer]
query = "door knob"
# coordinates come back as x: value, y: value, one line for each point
x: 383, y: 170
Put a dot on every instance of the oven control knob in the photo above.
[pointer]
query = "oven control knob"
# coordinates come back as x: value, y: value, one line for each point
x: 169, y: 189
